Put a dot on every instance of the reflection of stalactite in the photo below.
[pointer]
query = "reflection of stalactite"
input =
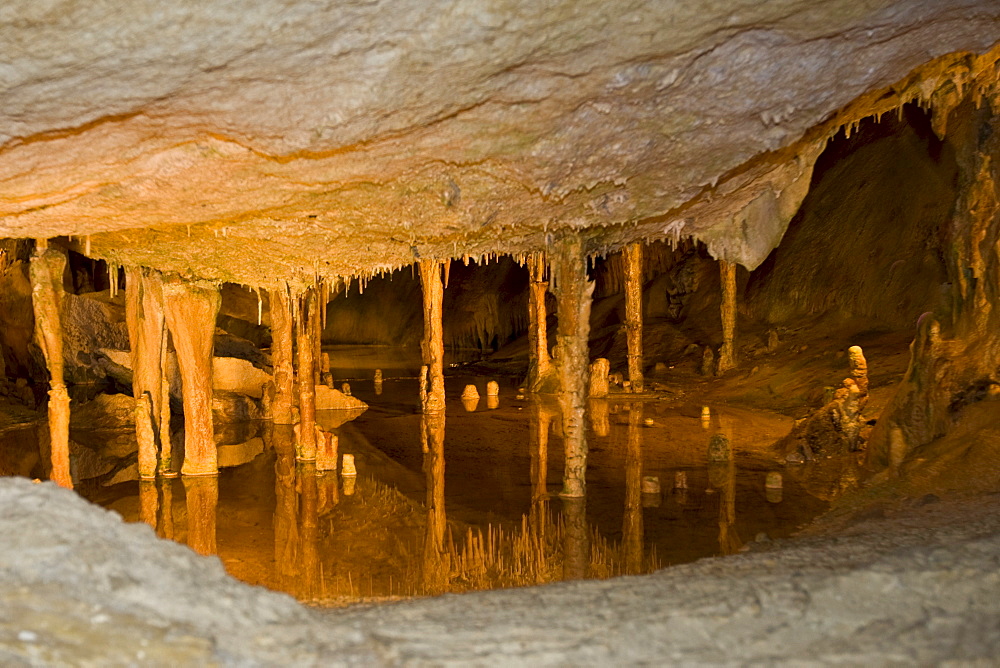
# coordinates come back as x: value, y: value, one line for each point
x: 723, y: 476
x: 309, y: 531
x: 632, y: 525
x: 576, y: 538
x: 541, y: 424
x: 165, y: 526
x: 149, y: 502
x: 282, y: 440
x: 435, y: 566
x: 202, y: 493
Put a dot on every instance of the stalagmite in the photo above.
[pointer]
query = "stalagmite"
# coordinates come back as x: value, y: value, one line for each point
x: 326, y: 450
x: 145, y: 436
x: 573, y: 291
x: 539, y: 363
x: 326, y: 377
x: 727, y: 353
x: 191, y: 309
x: 493, y: 389
x: 632, y: 256
x: 281, y: 357
x: 859, y: 369
x: 316, y: 333
x: 306, y: 445
x: 147, y: 332
x: 432, y: 345
x: 599, y: 371
x: 46, y: 272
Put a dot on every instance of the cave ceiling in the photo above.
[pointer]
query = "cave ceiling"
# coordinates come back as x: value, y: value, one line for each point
x: 271, y: 142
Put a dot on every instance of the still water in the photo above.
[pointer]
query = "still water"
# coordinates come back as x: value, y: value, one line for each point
x: 467, y: 500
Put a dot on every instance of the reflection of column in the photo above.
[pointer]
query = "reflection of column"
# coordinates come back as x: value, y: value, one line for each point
x: 541, y: 424
x: 574, y: 292
x: 46, y: 273
x: 435, y: 571
x: 576, y: 538
x: 191, y: 310
x: 539, y: 362
x: 149, y: 502
x: 202, y: 501
x: 165, y: 528
x: 309, y: 531
x: 282, y: 439
x: 632, y: 527
x: 729, y: 540
x: 632, y: 258
x: 599, y: 422
x: 432, y: 346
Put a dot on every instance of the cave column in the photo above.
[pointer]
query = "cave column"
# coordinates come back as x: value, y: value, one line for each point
x: 432, y: 345
x: 573, y: 291
x: 727, y: 354
x: 191, y: 309
x: 305, y: 332
x: 281, y: 356
x: 46, y: 273
x: 632, y: 256
x: 539, y: 364
x: 147, y: 337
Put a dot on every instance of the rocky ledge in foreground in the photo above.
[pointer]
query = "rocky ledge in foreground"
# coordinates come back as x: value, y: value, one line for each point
x: 81, y: 587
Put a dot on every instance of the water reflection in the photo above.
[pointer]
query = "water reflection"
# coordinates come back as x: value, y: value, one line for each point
x: 436, y: 562
x: 298, y: 530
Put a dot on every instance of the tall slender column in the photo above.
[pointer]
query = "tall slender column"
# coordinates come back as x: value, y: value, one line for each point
x: 304, y: 329
x: 632, y: 257
x: 46, y: 273
x: 146, y: 331
x: 191, y: 309
x: 432, y: 345
x: 539, y: 364
x: 281, y: 357
x: 573, y: 291
x: 727, y: 354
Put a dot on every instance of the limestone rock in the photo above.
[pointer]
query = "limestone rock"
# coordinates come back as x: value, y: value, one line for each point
x: 329, y: 399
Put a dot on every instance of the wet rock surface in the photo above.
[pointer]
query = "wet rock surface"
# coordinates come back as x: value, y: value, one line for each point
x: 916, y: 587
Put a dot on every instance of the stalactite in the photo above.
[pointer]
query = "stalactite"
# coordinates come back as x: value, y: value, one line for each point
x: 573, y: 291
x: 281, y: 356
x: 46, y: 273
x: 432, y: 346
x: 632, y: 257
x: 146, y: 322
x: 191, y: 309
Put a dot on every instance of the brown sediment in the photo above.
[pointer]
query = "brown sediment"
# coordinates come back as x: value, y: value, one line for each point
x: 191, y: 309
x: 632, y: 256
x: 573, y: 291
